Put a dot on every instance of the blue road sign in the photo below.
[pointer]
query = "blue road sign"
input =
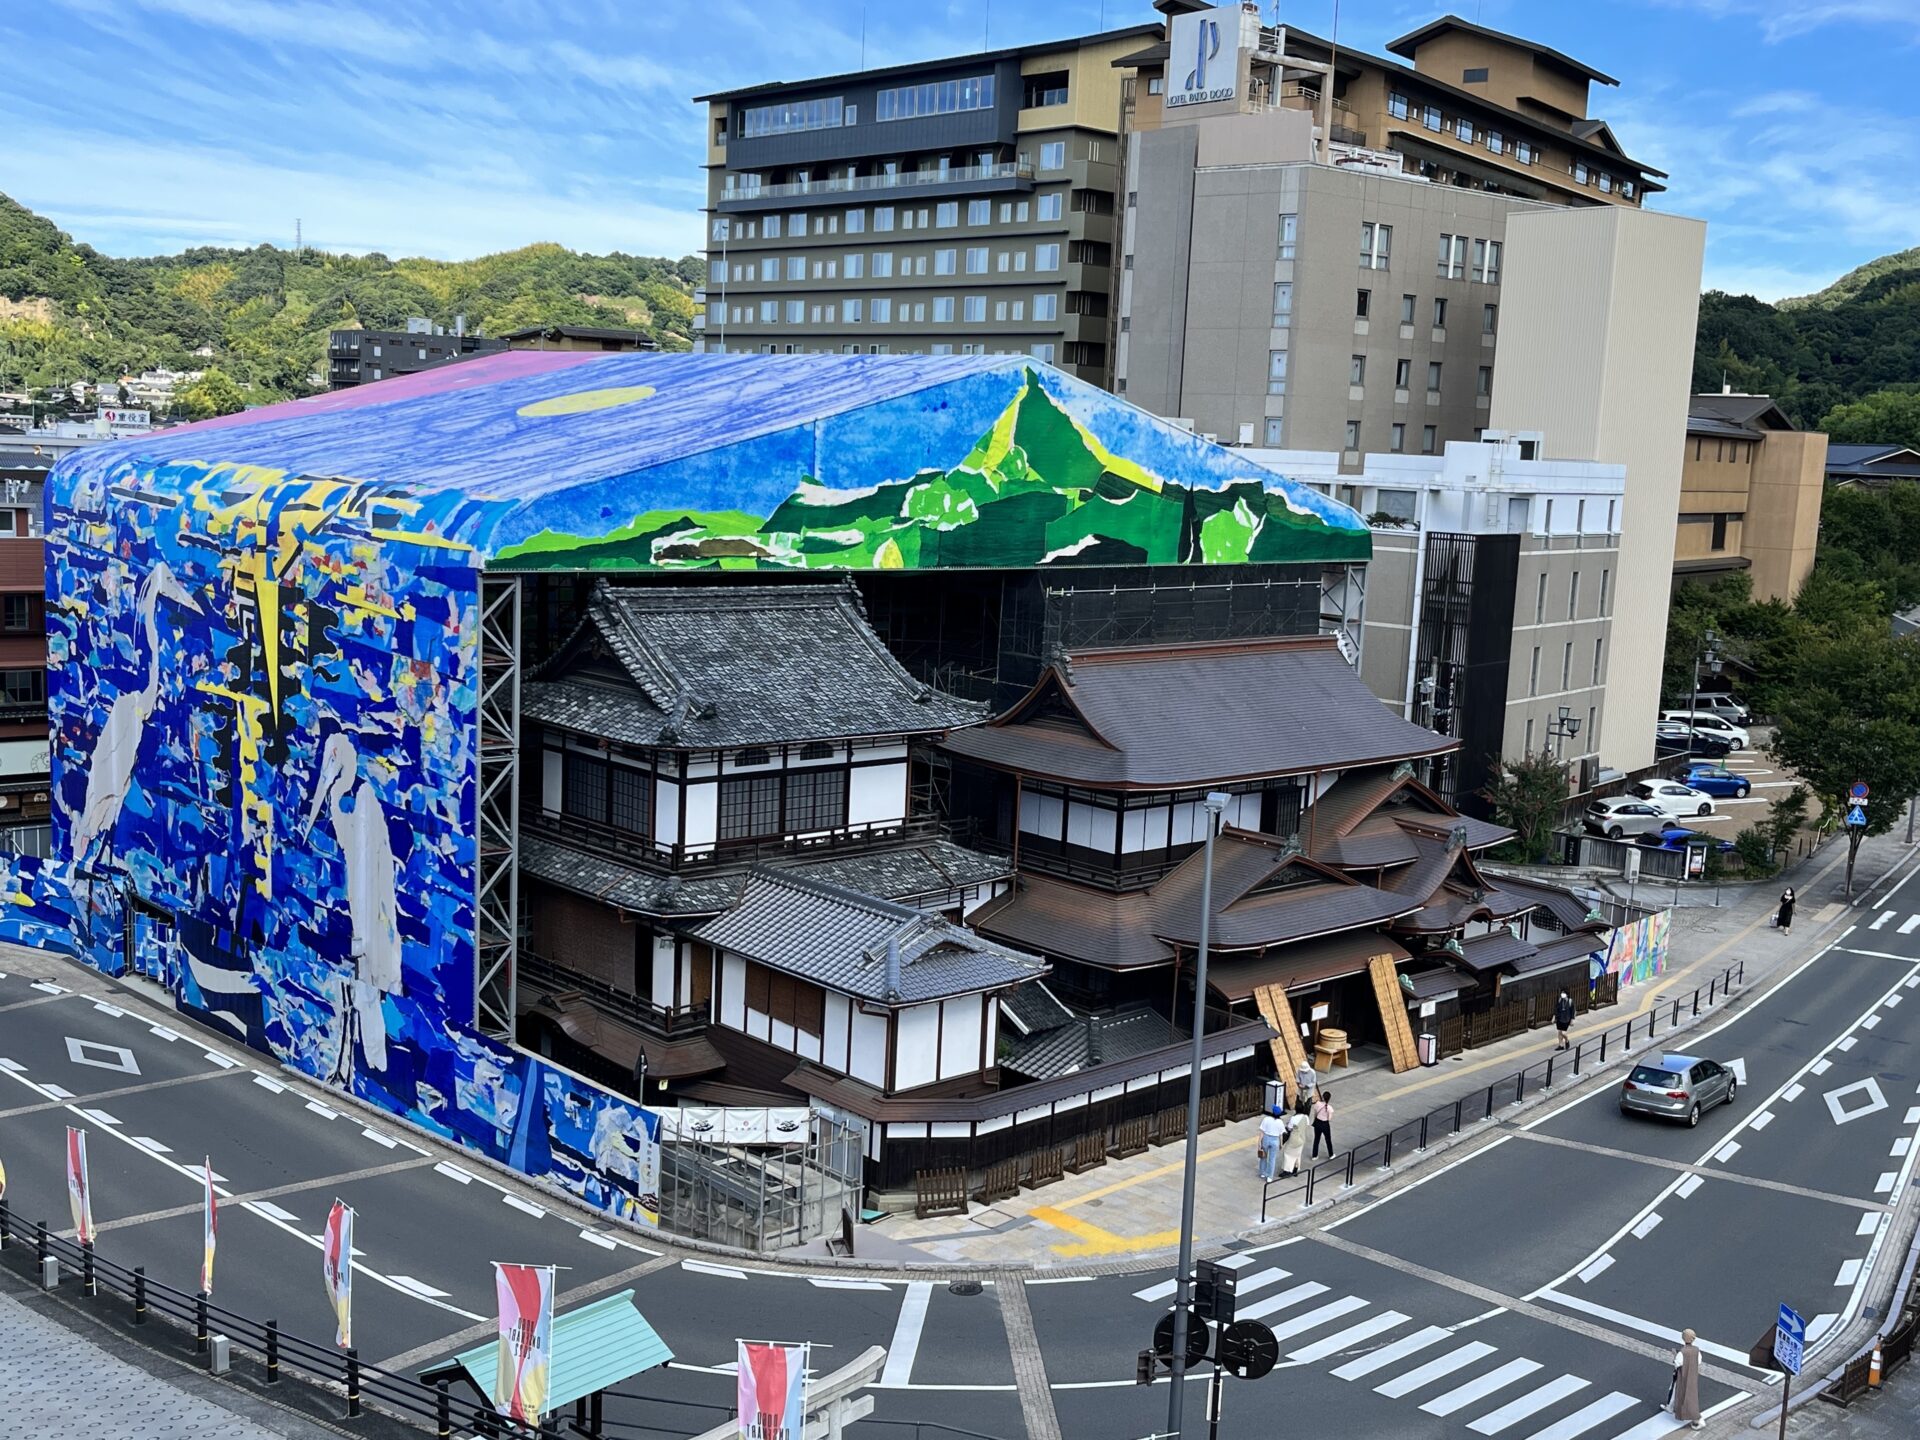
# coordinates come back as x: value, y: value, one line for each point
x: 1856, y: 817
x: 1858, y: 791
x: 1789, y: 1339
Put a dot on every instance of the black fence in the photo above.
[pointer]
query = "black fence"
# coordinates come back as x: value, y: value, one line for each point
x: 278, y: 1354
x: 1414, y: 1136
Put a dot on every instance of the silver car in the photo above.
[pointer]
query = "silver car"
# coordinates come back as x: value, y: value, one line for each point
x: 1621, y: 815
x: 1677, y: 1087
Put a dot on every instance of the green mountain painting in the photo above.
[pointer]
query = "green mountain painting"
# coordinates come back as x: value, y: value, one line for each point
x: 1038, y: 488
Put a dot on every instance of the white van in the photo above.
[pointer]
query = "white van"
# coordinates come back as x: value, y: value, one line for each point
x: 1708, y: 723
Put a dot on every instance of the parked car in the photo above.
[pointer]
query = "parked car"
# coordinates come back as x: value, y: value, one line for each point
x: 1674, y: 836
x: 1619, y: 816
x: 1718, y: 780
x: 1727, y: 707
x: 1670, y: 797
x: 1677, y: 739
x: 1705, y: 722
x: 1677, y: 1087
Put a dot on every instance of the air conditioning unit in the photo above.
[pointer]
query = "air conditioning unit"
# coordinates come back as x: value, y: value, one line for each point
x: 1246, y: 433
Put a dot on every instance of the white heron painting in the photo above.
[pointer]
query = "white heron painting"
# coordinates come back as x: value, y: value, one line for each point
x: 117, y: 750
x: 359, y: 824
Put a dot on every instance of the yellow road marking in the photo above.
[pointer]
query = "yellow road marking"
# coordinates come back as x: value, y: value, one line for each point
x: 1094, y: 1240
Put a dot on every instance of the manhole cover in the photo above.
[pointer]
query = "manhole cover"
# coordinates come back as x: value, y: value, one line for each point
x: 964, y: 1287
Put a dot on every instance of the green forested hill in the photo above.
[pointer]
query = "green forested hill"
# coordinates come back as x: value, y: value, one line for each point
x: 68, y: 312
x: 1859, y: 337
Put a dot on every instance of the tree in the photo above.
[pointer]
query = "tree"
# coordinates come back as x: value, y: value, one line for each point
x: 214, y: 393
x: 1786, y: 818
x: 1854, y: 715
x: 1528, y: 796
x: 1886, y: 417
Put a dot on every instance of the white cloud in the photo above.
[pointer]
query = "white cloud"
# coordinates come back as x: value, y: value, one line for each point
x: 1780, y: 20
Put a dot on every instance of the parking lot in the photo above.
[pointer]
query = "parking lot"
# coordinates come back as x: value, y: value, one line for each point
x: 1770, y: 782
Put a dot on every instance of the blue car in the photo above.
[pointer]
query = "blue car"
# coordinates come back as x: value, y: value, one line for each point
x: 1675, y: 837
x: 1718, y: 780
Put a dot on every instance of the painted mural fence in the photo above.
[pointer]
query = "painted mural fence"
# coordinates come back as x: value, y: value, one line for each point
x: 1637, y: 951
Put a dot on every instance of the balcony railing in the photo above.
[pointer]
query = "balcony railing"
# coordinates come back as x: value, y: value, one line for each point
x: 637, y: 850
x: 901, y: 180
x: 666, y: 1021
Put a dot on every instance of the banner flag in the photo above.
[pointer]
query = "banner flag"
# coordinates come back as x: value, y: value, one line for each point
x: 773, y: 1391
x: 526, y: 1340
x: 79, y: 1201
x: 212, y: 1226
x: 336, y: 1263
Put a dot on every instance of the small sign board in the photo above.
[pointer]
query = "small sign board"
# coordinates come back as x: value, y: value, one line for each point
x: 1789, y: 1339
x: 1858, y: 791
x: 1320, y: 1012
x: 1856, y: 817
x: 1427, y: 1008
x: 1696, y: 861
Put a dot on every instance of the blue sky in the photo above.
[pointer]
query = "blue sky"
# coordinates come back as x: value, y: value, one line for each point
x: 463, y: 127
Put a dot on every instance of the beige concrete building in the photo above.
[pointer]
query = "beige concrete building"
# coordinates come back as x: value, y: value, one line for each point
x: 957, y: 206
x: 1597, y: 341
x: 1750, y: 489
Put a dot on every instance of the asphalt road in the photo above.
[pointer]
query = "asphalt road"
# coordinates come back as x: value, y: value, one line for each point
x: 1529, y: 1291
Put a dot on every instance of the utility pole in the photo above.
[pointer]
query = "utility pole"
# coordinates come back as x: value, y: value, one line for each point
x: 1214, y: 805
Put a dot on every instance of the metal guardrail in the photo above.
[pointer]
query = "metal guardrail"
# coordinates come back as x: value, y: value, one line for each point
x: 431, y: 1407
x: 1413, y: 1137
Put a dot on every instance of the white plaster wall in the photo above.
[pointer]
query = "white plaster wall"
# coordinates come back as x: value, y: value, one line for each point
x: 703, y: 814
x: 878, y: 795
x: 960, y: 1036
x: 663, y: 989
x: 869, y: 1047
x: 666, y: 813
x: 550, y: 771
x: 915, y: 1060
x: 1040, y: 814
x: 733, y: 992
x: 1091, y: 826
x: 833, y: 1048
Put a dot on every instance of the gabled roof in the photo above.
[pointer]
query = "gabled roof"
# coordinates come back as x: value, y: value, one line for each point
x: 1089, y: 1041
x: 839, y: 939
x: 1363, y: 803
x: 1753, y: 414
x: 708, y: 667
x: 1846, y: 457
x: 1409, y: 44
x: 1187, y: 715
x: 1033, y: 1009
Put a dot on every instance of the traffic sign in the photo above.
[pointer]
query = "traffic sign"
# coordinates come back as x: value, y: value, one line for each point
x: 1789, y: 1339
x: 1213, y: 1292
x: 1858, y: 791
x: 1248, y: 1349
x: 1197, y: 1337
x: 1856, y: 818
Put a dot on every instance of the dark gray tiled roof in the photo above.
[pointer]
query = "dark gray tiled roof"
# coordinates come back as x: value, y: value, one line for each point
x: 1440, y: 984
x: 710, y: 666
x: 1199, y: 714
x: 1096, y: 926
x: 1093, y: 1040
x: 838, y: 939
x: 1377, y: 842
x: 1033, y: 1009
x: 916, y: 873
x: 623, y: 885
x: 1480, y: 833
x: 1490, y: 952
x: 1559, y: 953
x: 1568, y: 910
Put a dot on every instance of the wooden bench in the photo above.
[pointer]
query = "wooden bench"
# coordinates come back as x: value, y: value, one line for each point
x: 1130, y: 1137
x: 939, y: 1192
x: 1000, y: 1182
x: 1045, y: 1166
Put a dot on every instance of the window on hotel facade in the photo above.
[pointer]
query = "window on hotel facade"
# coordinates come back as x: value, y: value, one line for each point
x: 791, y: 115
x: 1282, y: 304
x: 1376, y: 245
x: 1434, y: 369
x: 1463, y: 129
x: 1353, y: 434
x: 1362, y: 303
x: 1357, y: 370
x: 632, y: 800
x: 979, y: 212
x: 974, y: 310
x: 943, y: 309
x: 947, y: 214
x: 1489, y: 319
x: 883, y: 217
x: 1523, y: 151
x: 1430, y: 118
x: 1495, y: 143
x: 1398, y: 442
x: 1289, y: 232
x: 1491, y: 275
x: 1397, y: 106
x: 1045, y: 307
x: 1047, y: 207
x: 1402, y: 373
x: 1276, y: 372
x: 1429, y: 439
x: 1053, y: 155
x: 1439, y: 312
x: 944, y: 261
x: 1579, y: 172
x: 1276, y: 428
x: 1483, y: 381
x: 1046, y: 257
x: 906, y: 102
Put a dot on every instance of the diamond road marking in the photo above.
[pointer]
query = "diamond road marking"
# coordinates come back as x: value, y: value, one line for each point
x: 1868, y: 1090
x: 102, y: 1057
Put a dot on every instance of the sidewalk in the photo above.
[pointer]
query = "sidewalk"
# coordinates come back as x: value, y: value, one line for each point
x: 1127, y: 1208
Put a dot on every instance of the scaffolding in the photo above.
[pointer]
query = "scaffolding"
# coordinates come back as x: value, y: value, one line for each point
x: 761, y: 1198
x: 497, y: 860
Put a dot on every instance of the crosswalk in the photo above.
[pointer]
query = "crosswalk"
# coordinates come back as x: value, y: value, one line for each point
x: 1885, y: 919
x: 1442, y: 1372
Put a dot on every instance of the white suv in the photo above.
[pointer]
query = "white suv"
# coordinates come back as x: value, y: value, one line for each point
x: 1672, y: 798
x: 1708, y: 723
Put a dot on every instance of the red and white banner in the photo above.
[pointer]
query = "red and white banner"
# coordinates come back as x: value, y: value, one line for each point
x: 525, y: 1355
x: 336, y: 1267
x: 773, y: 1391
x: 79, y: 1201
x: 212, y: 1225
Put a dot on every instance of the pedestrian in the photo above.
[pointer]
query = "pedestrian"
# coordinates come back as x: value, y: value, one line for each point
x: 1294, y: 1146
x: 1563, y: 1019
x: 1272, y: 1132
x: 1785, y: 918
x: 1304, y: 1080
x: 1323, y: 1122
x: 1684, y: 1397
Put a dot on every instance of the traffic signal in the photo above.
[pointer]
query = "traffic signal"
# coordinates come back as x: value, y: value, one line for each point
x: 1213, y: 1292
x: 1144, y: 1368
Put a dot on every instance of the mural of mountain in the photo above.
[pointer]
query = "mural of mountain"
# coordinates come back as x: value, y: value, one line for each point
x: 1039, y: 487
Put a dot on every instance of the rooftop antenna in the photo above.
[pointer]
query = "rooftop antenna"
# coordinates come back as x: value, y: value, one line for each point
x: 863, y: 37
x: 986, y: 25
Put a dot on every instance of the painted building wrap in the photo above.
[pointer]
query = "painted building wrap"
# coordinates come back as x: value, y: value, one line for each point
x: 262, y: 659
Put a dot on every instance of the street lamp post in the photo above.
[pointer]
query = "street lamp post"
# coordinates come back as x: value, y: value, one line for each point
x: 1214, y: 805
x: 1712, y: 658
x: 1562, y: 727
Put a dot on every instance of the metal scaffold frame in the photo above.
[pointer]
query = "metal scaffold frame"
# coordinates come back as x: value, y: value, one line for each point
x: 496, y: 900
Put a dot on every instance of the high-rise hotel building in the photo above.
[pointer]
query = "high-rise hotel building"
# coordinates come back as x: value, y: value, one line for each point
x: 959, y: 207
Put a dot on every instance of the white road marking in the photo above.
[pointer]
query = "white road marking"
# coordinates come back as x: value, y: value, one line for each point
x: 1849, y: 1273
x: 1644, y: 1327
x: 147, y: 1142
x: 592, y: 1239
x: 906, y: 1334
x: 1874, y: 1100
x: 1585, y: 1418
x: 1688, y: 1186
x: 1727, y: 1151
x: 163, y: 1032
x: 1900, y: 1148
x: 1283, y: 1300
x: 265, y: 1083
x: 1885, y: 915
x: 1236, y: 1262
x: 1348, y: 1338
x: 275, y: 1212
x: 1435, y: 1369
x: 1259, y: 1280
x: 1870, y: 1023
x: 1514, y: 1411
x: 1314, y: 1319
x: 525, y: 1207
x: 1647, y: 1226
x: 47, y: 989
x: 322, y: 1111
x: 1478, y: 1389
x: 1869, y: 1223
x: 12, y: 1067
x: 826, y: 1284
x: 1739, y: 1069
x: 100, y: 1117
x: 1892, y: 1001
x: 1153, y: 1294
x: 221, y: 1060
x: 386, y: 1142
x: 1886, y: 1182
x: 1794, y: 1092
x: 101, y: 1056
x: 1820, y: 1067
x: 1762, y: 1120
x: 58, y: 1092
x: 454, y: 1172
x: 417, y: 1287
x: 1913, y: 1115
x: 700, y: 1267
x: 1912, y: 922
x: 106, y: 1009
x: 1849, y: 1042
x: 1062, y: 1280
x: 1598, y: 1267
x: 1390, y: 1354
x: 1914, y: 983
